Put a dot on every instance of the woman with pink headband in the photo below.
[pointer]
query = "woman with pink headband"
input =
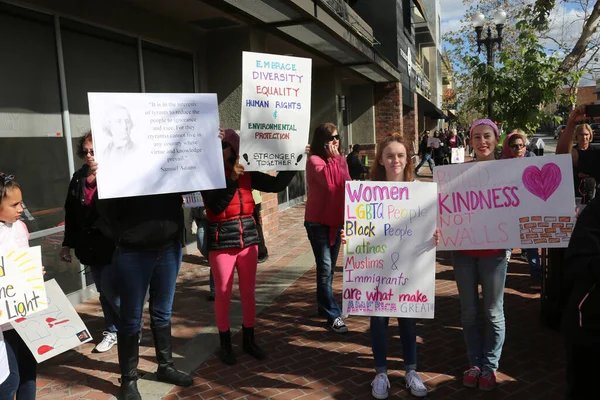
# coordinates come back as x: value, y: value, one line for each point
x: 488, y: 268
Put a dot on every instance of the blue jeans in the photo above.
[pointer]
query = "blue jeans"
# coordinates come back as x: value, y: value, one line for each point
x: 135, y: 271
x: 22, y: 367
x: 202, y: 242
x: 426, y: 157
x: 325, y: 258
x: 109, y: 299
x: 484, y: 341
x: 408, y: 338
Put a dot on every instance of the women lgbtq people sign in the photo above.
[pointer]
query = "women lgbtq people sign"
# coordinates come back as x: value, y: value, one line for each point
x: 516, y: 203
x: 389, y: 255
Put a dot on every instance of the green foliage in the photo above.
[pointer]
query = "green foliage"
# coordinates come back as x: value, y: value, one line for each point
x: 524, y: 77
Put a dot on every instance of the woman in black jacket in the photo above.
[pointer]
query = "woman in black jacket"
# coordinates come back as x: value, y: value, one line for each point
x: 91, y: 247
x: 581, y: 321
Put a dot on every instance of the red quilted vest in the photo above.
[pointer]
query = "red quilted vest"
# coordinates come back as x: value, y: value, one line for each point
x: 241, y: 205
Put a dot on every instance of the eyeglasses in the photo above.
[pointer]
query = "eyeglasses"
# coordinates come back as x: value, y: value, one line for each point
x: 85, y: 152
x: 331, y: 138
x: 517, y: 146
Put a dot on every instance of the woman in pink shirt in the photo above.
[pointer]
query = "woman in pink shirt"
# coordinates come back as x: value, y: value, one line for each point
x: 326, y: 176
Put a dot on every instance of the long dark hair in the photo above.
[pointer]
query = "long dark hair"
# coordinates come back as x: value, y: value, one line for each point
x: 7, y: 183
x: 378, y: 170
x: 317, y: 146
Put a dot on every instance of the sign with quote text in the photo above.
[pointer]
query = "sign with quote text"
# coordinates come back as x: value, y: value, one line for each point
x: 22, y: 290
x: 54, y: 330
x: 389, y: 255
x: 154, y: 143
x: 517, y: 203
x: 275, y: 121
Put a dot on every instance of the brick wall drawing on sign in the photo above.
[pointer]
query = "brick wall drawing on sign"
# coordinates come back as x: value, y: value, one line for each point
x: 550, y: 229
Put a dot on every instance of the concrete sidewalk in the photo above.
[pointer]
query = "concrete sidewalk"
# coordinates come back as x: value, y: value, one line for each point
x: 306, y: 360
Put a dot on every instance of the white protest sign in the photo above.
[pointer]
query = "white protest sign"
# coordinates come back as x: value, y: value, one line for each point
x: 153, y: 143
x: 389, y: 255
x: 518, y: 203
x: 275, y: 118
x: 22, y: 290
x: 458, y: 155
x: 55, y: 330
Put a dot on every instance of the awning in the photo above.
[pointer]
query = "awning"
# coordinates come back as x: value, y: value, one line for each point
x: 429, y: 109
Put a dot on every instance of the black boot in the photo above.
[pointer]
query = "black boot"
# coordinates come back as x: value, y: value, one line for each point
x: 129, y: 352
x: 166, y: 371
x: 249, y: 346
x: 226, y: 354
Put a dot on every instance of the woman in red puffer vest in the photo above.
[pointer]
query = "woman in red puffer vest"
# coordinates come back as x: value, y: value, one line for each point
x: 233, y: 242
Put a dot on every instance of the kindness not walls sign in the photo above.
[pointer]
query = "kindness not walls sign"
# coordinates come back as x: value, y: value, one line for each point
x: 389, y: 255
x: 517, y: 203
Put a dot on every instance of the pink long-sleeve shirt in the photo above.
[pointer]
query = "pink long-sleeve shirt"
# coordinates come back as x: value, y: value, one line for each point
x: 326, y: 182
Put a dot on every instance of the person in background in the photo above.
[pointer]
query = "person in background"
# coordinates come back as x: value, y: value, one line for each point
x: 424, y: 153
x: 326, y: 176
x: 514, y: 147
x: 202, y: 238
x: 581, y: 319
x: 486, y: 267
x: 263, y: 252
x: 355, y: 167
x: 437, y: 148
x: 92, y: 247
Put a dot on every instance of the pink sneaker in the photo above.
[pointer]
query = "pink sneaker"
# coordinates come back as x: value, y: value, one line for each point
x: 471, y: 377
x: 487, y: 381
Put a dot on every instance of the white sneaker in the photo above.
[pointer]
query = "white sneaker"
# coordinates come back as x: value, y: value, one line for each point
x: 380, y: 385
x: 110, y: 339
x: 338, y: 326
x: 415, y: 384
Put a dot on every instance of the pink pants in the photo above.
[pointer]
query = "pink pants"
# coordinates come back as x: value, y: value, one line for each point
x: 222, y: 264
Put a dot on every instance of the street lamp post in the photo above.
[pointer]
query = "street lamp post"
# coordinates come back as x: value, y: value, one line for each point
x: 490, y: 43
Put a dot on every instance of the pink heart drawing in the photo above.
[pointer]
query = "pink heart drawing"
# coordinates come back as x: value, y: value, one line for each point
x: 542, y: 183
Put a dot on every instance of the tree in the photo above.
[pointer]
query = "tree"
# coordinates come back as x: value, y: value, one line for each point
x: 528, y: 74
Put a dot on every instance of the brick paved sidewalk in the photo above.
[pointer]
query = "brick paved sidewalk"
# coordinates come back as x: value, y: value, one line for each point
x: 307, y: 361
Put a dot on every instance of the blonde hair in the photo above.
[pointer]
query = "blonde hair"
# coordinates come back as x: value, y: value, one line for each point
x: 580, y: 128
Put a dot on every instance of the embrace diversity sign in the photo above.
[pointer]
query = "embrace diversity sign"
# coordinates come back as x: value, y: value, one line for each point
x: 389, y: 255
x: 154, y: 143
x: 275, y: 121
x: 517, y: 203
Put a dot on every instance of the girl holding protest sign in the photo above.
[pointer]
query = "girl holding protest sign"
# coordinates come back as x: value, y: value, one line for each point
x: 234, y: 242
x: 18, y: 368
x: 394, y: 162
x: 326, y: 176
x: 488, y: 268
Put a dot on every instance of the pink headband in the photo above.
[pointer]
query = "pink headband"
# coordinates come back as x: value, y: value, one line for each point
x: 484, y: 121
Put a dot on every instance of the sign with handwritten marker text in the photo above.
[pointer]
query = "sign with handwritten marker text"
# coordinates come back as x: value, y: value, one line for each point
x: 517, y: 203
x: 389, y: 255
x: 54, y: 330
x: 275, y: 121
x: 22, y: 290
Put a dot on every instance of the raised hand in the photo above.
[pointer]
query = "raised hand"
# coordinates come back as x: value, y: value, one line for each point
x: 238, y: 170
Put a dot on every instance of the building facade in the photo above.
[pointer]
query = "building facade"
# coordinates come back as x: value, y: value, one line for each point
x: 56, y: 51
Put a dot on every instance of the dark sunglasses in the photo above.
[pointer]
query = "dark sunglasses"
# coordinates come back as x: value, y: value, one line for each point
x: 85, y: 152
x: 331, y: 138
x: 517, y: 146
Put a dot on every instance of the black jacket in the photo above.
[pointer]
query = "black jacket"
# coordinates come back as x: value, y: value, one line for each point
x: 82, y: 232
x: 355, y: 167
x: 239, y: 232
x: 145, y: 222
x: 582, y: 263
